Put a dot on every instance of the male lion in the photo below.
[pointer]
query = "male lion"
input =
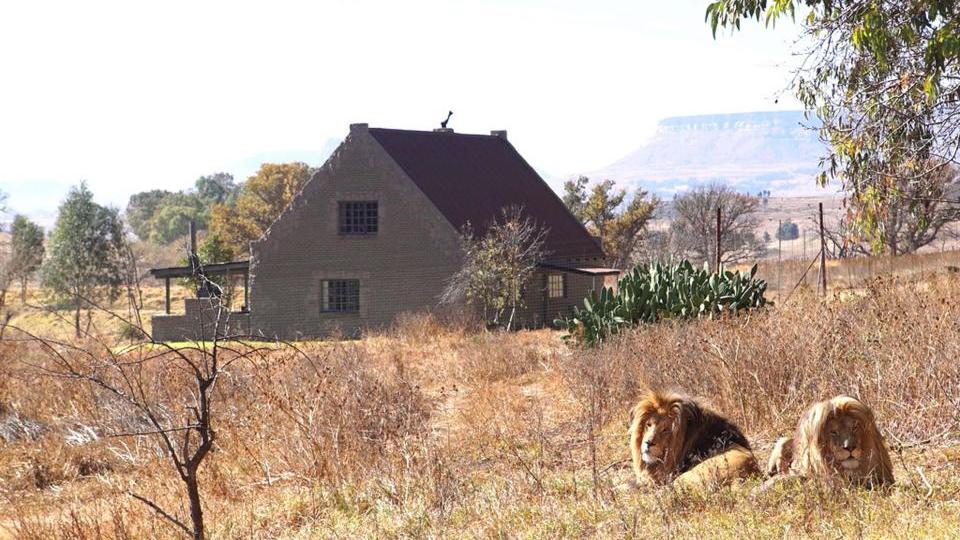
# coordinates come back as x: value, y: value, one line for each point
x: 675, y: 439
x: 836, y: 439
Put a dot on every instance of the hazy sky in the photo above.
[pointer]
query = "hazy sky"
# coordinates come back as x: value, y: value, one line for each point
x: 136, y: 95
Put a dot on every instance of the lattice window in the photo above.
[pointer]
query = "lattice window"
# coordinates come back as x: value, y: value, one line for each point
x: 358, y: 217
x: 340, y: 295
x: 556, y: 286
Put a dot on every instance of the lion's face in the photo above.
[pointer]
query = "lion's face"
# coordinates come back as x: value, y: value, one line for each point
x: 658, y: 432
x: 839, y: 438
x: 844, y: 442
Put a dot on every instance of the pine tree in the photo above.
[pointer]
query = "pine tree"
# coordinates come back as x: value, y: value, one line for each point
x: 26, y: 245
x: 85, y: 260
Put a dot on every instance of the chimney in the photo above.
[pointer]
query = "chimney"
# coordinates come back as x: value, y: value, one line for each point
x: 502, y: 133
x: 443, y: 130
x: 358, y: 128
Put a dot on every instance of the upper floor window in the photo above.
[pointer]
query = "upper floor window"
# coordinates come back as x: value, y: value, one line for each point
x: 556, y: 286
x: 357, y: 217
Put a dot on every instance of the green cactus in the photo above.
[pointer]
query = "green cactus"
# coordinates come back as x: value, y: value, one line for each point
x: 649, y: 293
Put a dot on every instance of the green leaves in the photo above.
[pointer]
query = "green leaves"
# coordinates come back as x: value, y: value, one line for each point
x: 85, y: 251
x: 603, y: 210
x: 649, y: 293
x: 883, y: 78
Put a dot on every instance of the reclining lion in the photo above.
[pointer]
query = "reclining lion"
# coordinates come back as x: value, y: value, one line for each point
x: 674, y: 439
x: 836, y: 440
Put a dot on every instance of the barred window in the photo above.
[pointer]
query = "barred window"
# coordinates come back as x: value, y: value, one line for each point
x: 556, y: 286
x: 357, y: 217
x: 340, y: 295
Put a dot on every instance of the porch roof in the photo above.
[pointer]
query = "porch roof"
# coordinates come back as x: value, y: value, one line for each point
x: 233, y: 267
x: 587, y: 271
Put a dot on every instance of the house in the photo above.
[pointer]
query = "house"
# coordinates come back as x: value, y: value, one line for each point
x: 375, y: 233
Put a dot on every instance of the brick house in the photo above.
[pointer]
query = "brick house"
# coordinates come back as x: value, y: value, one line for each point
x: 375, y: 233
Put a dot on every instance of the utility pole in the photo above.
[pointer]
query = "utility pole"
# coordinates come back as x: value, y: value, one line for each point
x: 718, y: 239
x: 779, y: 260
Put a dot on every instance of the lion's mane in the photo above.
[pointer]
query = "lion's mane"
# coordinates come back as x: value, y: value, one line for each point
x: 699, y: 434
x: 809, y: 444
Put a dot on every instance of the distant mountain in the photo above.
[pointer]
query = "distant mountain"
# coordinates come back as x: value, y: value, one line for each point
x: 750, y: 151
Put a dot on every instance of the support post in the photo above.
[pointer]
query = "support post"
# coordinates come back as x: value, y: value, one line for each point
x: 193, y: 237
x: 718, y: 239
x: 166, y: 298
x: 246, y: 290
x: 823, y: 257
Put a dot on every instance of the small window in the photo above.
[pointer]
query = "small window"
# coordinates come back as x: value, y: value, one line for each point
x: 556, y: 286
x: 340, y: 296
x: 357, y: 217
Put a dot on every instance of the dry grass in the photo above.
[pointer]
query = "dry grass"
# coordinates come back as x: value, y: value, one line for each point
x: 436, y: 430
x: 853, y: 273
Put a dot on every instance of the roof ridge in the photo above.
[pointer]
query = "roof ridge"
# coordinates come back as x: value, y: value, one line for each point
x: 431, y: 132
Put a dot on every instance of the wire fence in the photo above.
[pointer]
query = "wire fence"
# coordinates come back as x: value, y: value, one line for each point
x: 804, y: 260
x: 795, y: 264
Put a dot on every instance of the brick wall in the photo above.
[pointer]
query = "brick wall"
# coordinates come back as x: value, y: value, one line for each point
x: 404, y: 267
x: 541, y: 310
x: 198, y: 322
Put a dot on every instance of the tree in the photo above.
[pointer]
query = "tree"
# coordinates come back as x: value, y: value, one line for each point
x: 788, y: 230
x: 172, y: 217
x: 5, y: 276
x: 86, y: 249
x: 917, y: 217
x: 840, y: 240
x: 261, y: 200
x: 217, y: 188
x: 883, y: 78
x: 498, y: 265
x: 905, y: 227
x: 604, y: 213
x: 764, y: 196
x: 26, y: 251
x: 141, y: 208
x: 695, y: 226
x: 212, y: 250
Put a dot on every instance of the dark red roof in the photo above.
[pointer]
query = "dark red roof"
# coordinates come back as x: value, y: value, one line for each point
x: 470, y: 178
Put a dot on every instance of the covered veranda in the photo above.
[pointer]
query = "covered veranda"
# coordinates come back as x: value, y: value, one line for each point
x: 227, y: 269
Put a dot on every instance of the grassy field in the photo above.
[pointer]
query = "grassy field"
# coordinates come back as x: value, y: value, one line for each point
x: 434, y: 431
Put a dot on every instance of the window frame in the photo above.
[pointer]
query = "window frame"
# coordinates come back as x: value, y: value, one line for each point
x: 349, y: 301
x: 355, y: 218
x: 551, y: 285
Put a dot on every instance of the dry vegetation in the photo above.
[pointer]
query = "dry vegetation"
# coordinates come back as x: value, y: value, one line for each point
x: 855, y: 272
x: 437, y: 431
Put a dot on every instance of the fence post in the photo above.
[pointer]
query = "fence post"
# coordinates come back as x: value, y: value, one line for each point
x: 718, y: 239
x: 779, y: 260
x: 823, y: 257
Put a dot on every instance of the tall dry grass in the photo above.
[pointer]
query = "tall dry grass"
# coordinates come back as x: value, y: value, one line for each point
x: 895, y: 346
x: 435, y: 429
x: 785, y: 275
